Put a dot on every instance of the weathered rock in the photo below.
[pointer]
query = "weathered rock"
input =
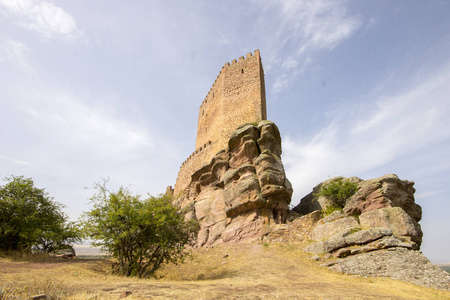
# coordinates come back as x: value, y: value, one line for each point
x: 316, y: 248
x: 395, y: 218
x: 382, y: 243
x: 348, y: 238
x: 391, y: 241
x: 333, y: 216
x: 328, y: 229
x: 385, y: 191
x: 242, y: 146
x: 245, y: 227
x: 243, y: 191
x: 398, y: 263
x: 210, y: 211
x: 270, y: 139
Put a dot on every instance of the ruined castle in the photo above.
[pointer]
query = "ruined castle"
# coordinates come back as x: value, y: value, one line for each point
x: 236, y: 97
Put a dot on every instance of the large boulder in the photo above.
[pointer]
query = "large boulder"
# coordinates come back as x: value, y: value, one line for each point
x: 395, y: 218
x: 243, y: 191
x: 348, y: 238
x: 385, y: 202
x: 385, y: 191
x: 328, y: 229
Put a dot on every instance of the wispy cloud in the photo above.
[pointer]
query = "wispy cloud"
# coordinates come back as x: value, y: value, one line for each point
x: 17, y: 53
x: 301, y: 29
x: 79, y: 125
x: 16, y: 161
x: 369, y: 136
x: 43, y: 17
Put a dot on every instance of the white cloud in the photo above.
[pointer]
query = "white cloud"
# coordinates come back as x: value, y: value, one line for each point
x: 280, y: 82
x: 304, y: 28
x: 17, y: 52
x: 44, y: 17
x: 366, y: 137
x: 78, y: 125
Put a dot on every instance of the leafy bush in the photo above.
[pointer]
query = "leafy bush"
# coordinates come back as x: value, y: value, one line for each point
x: 338, y: 190
x: 141, y: 235
x: 31, y: 220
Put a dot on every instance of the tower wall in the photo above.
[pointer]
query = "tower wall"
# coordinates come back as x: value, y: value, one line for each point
x: 236, y: 97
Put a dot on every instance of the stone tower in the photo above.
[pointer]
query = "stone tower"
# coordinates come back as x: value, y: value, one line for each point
x: 234, y: 184
x: 236, y: 97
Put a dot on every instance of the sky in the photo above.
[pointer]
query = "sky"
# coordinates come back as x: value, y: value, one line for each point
x: 111, y: 89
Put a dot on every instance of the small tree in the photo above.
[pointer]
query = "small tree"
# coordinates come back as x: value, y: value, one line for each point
x: 30, y: 219
x: 141, y: 235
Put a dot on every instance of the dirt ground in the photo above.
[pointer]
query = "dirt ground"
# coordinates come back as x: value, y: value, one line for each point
x: 240, y: 271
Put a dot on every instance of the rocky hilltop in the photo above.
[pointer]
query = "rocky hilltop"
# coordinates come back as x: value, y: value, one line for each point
x: 242, y: 191
x: 242, y: 194
x: 374, y: 232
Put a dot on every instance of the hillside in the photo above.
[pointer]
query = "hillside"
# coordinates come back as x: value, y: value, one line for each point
x: 244, y: 271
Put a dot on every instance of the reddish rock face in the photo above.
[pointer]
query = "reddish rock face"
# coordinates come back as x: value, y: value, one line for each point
x: 385, y: 191
x: 242, y: 191
x: 384, y: 203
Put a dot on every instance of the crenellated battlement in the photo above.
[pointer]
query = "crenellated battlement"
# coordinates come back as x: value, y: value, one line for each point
x: 205, y: 147
x: 226, y: 65
x: 237, y: 96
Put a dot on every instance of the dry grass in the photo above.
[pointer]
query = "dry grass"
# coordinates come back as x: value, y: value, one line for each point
x: 241, y: 271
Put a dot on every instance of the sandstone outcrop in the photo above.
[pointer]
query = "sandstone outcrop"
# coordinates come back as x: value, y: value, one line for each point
x: 242, y: 191
x: 385, y: 202
x: 374, y: 232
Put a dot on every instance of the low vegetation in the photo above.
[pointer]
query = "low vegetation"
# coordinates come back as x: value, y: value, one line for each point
x: 338, y: 190
x: 330, y: 209
x: 141, y: 235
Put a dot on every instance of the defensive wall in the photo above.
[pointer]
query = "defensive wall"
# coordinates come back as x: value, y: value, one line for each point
x: 237, y: 96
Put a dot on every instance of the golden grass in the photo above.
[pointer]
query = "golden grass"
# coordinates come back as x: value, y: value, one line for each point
x: 244, y: 271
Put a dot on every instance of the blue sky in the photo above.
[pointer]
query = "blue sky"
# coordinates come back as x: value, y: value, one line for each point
x: 96, y: 89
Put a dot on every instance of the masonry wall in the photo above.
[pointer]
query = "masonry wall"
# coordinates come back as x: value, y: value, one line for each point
x: 236, y: 97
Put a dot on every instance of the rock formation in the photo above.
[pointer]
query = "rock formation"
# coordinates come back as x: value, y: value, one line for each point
x: 375, y: 232
x: 242, y: 191
x: 382, y: 203
x: 234, y: 184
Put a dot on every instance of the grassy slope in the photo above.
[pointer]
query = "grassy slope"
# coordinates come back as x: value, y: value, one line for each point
x: 249, y: 271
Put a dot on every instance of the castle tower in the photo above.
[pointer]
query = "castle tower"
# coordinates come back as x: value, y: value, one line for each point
x: 236, y: 97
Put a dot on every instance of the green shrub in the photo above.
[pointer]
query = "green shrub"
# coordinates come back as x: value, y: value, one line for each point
x: 338, y: 190
x: 141, y: 235
x: 330, y: 209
